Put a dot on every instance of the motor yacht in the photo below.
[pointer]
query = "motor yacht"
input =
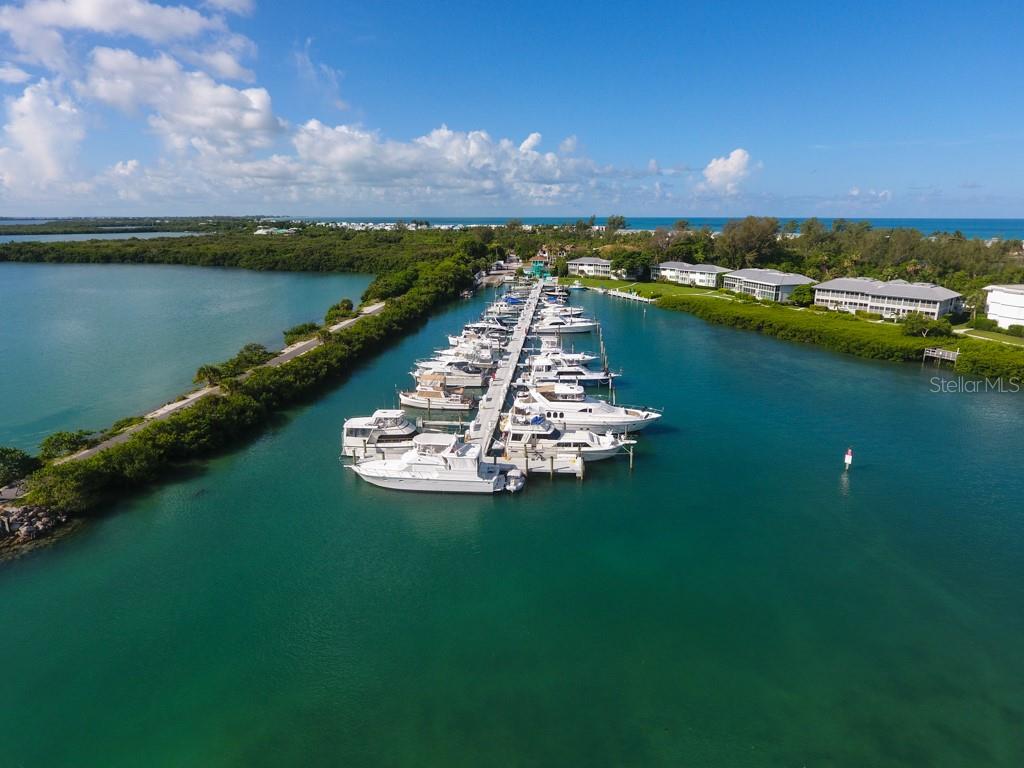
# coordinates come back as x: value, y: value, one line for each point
x: 440, y: 463
x: 450, y: 374
x: 560, y: 325
x: 534, y: 436
x: 436, y: 398
x: 386, y: 433
x: 542, y: 369
x: 567, y: 406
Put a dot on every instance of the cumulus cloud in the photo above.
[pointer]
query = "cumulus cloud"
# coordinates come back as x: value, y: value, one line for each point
x: 724, y: 174
x: 36, y: 26
x: 568, y: 145
x: 188, y: 109
x: 41, y: 137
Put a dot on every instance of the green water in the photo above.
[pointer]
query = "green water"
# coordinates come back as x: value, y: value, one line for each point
x: 84, y: 345
x: 735, y: 601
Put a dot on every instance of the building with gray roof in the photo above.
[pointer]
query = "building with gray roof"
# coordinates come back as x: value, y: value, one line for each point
x: 768, y: 284
x: 704, y: 275
x: 890, y: 299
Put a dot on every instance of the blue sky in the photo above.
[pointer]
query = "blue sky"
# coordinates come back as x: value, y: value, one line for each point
x: 338, y: 108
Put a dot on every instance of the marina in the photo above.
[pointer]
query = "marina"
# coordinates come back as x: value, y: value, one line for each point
x: 532, y: 416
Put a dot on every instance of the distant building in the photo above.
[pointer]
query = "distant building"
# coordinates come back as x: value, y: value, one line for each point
x: 894, y: 298
x: 1005, y: 304
x: 768, y: 284
x: 704, y: 275
x: 590, y: 266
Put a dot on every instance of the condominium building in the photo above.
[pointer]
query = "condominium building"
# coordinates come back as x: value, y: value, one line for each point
x: 768, y: 284
x: 894, y: 298
x: 590, y: 266
x: 1005, y: 304
x: 704, y: 275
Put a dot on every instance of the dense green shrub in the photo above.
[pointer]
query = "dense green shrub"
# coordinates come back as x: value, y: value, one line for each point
x: 1015, y: 330
x: 984, y: 324
x: 63, y: 443
x: 864, y: 314
x: 15, y: 464
x: 299, y: 332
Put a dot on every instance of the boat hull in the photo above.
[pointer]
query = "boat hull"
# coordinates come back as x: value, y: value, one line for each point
x: 492, y: 485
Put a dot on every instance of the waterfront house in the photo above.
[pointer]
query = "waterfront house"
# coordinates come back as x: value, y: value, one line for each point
x: 768, y: 284
x: 703, y: 275
x: 1005, y: 304
x: 590, y: 266
x: 891, y: 299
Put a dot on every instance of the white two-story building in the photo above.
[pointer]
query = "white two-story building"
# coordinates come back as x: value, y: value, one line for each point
x: 1005, y: 304
x: 768, y: 284
x: 894, y: 298
x: 590, y: 266
x: 703, y: 275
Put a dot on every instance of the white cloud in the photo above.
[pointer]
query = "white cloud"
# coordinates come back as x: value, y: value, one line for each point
x: 568, y: 145
x: 531, y: 142
x: 724, y: 174
x: 189, y: 109
x: 35, y: 27
x: 41, y: 137
x: 870, y: 195
x: 13, y: 75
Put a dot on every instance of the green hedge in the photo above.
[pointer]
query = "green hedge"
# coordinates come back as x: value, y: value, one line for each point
x: 844, y: 333
x: 839, y: 332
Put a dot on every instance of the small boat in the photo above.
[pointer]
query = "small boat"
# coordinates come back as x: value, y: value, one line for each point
x: 442, y: 464
x: 431, y: 398
x: 466, y: 295
x: 560, y: 310
x: 567, y: 406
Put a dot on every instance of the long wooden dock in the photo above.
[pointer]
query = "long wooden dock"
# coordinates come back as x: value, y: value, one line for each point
x: 491, y: 404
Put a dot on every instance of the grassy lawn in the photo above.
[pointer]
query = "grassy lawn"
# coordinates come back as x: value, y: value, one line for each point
x: 995, y: 336
x: 644, y: 289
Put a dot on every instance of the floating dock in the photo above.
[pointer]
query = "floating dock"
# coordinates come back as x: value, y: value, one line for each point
x: 492, y: 403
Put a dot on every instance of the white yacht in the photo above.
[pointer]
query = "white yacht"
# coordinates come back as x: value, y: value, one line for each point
x: 567, y: 406
x: 440, y: 463
x: 436, y: 398
x: 386, y: 433
x: 559, y: 325
x: 568, y: 358
x: 534, y: 436
x: 559, y: 310
x: 542, y: 369
x: 449, y: 374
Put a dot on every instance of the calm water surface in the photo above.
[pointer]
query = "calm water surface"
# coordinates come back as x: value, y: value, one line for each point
x: 84, y: 345
x: 735, y: 601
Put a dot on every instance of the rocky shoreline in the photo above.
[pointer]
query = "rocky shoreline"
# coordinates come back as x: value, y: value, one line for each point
x: 22, y: 526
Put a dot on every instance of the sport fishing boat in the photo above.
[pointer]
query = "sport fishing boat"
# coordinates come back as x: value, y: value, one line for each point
x: 387, y: 433
x: 436, y: 398
x: 567, y: 406
x: 549, y: 347
x: 560, y: 310
x: 534, y: 436
x: 560, y: 325
x: 443, y: 464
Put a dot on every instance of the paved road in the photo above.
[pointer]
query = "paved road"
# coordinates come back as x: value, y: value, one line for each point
x: 288, y: 353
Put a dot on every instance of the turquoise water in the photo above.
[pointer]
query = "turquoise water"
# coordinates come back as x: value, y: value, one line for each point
x: 734, y: 601
x: 84, y: 345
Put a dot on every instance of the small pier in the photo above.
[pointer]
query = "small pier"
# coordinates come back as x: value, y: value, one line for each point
x: 493, y: 401
x: 940, y: 355
x: 628, y: 296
